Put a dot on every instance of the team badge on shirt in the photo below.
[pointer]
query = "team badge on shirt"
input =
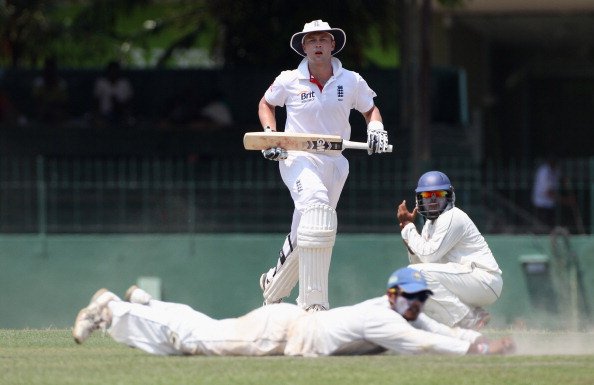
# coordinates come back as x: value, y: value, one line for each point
x: 340, y: 92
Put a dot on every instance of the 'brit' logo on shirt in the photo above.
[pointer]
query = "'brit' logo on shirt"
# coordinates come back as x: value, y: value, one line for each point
x: 340, y: 92
x: 307, y: 96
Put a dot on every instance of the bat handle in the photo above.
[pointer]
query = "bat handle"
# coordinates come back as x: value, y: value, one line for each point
x: 360, y: 145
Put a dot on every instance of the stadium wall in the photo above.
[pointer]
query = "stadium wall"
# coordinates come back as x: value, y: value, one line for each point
x: 45, y: 280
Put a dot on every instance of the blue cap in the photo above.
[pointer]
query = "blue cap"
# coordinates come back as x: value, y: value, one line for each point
x: 408, y: 280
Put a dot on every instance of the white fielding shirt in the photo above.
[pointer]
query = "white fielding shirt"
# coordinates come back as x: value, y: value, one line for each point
x: 370, y: 327
x: 452, y: 237
x: 373, y: 327
x: 310, y: 110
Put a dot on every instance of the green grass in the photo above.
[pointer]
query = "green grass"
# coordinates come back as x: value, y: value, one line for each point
x: 51, y: 357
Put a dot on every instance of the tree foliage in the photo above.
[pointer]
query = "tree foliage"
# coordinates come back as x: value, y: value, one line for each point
x: 258, y: 33
x: 237, y: 33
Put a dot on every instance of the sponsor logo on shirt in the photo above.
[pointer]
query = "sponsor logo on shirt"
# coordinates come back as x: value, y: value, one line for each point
x: 307, y: 96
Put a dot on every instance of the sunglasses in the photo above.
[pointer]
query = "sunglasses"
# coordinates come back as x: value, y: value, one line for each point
x: 420, y: 296
x: 431, y: 194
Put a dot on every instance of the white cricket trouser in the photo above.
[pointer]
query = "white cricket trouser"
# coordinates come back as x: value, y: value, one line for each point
x: 457, y: 290
x: 313, y: 179
x: 165, y: 328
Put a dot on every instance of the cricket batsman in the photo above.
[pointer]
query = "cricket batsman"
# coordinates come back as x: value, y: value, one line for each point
x: 318, y: 97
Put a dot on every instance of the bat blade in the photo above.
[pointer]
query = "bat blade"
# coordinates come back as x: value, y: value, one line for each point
x: 289, y: 141
x: 301, y: 142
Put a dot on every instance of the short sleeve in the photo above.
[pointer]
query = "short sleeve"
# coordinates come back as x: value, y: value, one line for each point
x: 276, y: 94
x: 364, y: 101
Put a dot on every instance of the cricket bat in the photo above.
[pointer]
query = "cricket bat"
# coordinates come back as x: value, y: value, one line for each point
x: 302, y: 142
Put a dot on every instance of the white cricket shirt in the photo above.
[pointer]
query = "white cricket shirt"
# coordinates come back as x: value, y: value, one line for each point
x: 310, y: 110
x: 452, y: 237
x: 372, y: 327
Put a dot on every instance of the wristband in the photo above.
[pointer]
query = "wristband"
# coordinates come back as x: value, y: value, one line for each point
x: 375, y: 125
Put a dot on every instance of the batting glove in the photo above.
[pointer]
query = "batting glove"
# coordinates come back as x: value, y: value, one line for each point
x: 377, y: 138
x: 275, y: 153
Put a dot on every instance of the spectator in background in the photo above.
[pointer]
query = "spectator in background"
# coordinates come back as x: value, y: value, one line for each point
x: 216, y: 111
x: 187, y: 110
x: 50, y: 93
x: 113, y: 94
x: 547, y: 194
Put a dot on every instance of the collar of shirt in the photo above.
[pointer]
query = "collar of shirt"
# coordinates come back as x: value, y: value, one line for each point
x: 303, y: 70
x: 316, y: 82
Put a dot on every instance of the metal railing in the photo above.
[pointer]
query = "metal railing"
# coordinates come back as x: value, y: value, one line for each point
x: 246, y: 194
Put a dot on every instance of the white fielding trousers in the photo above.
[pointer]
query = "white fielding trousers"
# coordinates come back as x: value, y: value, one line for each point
x: 165, y: 328
x: 457, y: 290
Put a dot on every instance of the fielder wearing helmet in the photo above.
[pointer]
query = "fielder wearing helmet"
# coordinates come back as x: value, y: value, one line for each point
x: 451, y: 253
x: 434, y: 194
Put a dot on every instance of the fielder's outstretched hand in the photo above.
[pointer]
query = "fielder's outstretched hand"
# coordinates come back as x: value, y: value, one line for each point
x: 503, y: 345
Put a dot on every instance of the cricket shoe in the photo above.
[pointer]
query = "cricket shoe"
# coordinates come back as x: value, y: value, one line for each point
x: 264, y: 282
x: 314, y: 308
x: 483, y: 319
x: 93, y: 317
x: 476, y: 319
x: 135, y: 294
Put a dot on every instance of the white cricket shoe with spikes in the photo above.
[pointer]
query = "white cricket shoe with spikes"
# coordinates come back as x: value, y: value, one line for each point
x: 264, y: 282
x: 93, y: 317
x: 316, y: 307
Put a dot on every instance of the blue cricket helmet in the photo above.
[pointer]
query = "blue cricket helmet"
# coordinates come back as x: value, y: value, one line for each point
x: 434, y: 180
x: 431, y: 208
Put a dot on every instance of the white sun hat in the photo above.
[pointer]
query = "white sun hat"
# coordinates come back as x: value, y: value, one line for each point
x: 318, y: 26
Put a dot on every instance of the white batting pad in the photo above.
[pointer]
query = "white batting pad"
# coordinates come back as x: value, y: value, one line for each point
x: 315, y: 238
x: 284, y: 280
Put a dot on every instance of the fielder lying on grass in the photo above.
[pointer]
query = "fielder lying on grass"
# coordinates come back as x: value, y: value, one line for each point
x: 392, y: 322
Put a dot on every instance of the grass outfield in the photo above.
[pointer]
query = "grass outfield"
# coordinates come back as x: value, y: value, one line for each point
x: 51, y: 357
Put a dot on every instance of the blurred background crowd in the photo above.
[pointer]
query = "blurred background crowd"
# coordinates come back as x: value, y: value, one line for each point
x: 102, y: 101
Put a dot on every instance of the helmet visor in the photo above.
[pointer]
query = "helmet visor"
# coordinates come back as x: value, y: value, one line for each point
x: 432, y: 203
x: 431, y: 194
